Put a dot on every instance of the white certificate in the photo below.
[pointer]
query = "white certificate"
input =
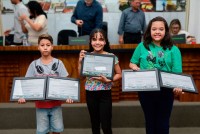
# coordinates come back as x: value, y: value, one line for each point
x: 62, y: 88
x: 28, y: 88
x: 183, y: 81
x: 98, y: 64
x: 143, y: 80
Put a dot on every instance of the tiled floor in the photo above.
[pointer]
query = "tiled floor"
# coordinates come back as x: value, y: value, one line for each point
x: 189, y: 130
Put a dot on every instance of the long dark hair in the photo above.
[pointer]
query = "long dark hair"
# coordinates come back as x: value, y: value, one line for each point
x: 166, y: 41
x: 35, y: 9
x: 104, y: 35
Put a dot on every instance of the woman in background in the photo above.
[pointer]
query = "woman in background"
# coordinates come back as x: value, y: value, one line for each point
x: 35, y: 24
x: 175, y: 29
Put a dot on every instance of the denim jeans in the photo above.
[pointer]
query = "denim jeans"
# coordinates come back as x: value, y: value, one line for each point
x: 49, y: 120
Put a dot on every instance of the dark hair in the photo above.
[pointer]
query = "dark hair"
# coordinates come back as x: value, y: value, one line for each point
x: 35, y: 9
x: 174, y: 21
x: 166, y: 41
x: 45, y: 36
x: 104, y: 35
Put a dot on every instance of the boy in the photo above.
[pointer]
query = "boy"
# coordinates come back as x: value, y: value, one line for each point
x: 48, y: 113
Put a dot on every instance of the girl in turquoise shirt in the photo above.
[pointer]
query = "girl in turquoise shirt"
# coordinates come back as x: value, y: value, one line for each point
x: 157, y: 51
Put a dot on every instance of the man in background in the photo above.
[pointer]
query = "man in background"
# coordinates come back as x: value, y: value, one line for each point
x: 132, y: 24
x: 19, y: 9
x: 87, y: 15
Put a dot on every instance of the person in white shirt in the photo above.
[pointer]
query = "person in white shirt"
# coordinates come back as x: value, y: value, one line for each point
x: 36, y: 24
x: 175, y: 29
x: 19, y: 9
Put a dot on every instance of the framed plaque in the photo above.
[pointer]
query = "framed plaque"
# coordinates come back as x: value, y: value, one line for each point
x: 29, y: 88
x: 172, y: 80
x: 98, y: 64
x: 62, y: 88
x: 142, y: 80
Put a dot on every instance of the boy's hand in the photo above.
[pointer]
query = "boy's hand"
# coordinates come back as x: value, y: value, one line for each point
x: 21, y: 101
x: 69, y: 101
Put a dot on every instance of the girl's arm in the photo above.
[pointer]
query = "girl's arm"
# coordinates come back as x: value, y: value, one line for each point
x: 81, y: 56
x: 35, y: 26
x: 118, y: 72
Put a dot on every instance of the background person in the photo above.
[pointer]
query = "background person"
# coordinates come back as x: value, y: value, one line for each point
x: 19, y: 9
x: 175, y: 29
x: 132, y: 24
x: 157, y: 51
x: 87, y: 15
x: 36, y: 24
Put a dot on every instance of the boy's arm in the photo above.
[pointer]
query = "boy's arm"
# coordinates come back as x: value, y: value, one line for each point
x: 29, y: 73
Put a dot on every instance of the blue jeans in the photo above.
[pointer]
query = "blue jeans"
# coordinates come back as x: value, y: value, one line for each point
x: 49, y: 120
x: 157, y: 108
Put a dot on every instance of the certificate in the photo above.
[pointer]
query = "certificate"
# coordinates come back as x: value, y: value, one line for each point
x: 62, y: 88
x: 98, y: 64
x: 172, y: 80
x: 29, y: 88
x: 142, y: 80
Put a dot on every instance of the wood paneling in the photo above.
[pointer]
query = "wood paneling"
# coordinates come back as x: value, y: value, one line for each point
x: 14, y: 62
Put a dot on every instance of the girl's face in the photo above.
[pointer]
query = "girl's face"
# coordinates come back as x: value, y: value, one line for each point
x: 45, y: 47
x: 157, y: 31
x: 98, y: 42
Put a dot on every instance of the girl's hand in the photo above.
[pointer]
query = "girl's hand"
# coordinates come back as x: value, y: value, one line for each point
x: 69, y: 101
x: 102, y: 79
x: 178, y: 91
x: 81, y: 55
x: 134, y: 67
x: 21, y: 101
x: 23, y: 17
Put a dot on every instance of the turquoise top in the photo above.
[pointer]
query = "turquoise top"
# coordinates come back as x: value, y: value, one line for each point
x: 157, y: 57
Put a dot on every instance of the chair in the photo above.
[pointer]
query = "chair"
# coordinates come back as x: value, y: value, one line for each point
x: 63, y: 36
x: 105, y: 27
x: 81, y: 40
x: 1, y: 41
x: 9, y: 39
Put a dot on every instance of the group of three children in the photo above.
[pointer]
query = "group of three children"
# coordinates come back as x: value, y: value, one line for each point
x: 156, y: 105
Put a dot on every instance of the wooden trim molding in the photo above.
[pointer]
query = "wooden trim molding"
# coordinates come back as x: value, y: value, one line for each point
x: 14, y: 61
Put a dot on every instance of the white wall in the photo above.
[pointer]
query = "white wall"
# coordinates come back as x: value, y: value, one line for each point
x: 194, y: 19
x: 59, y: 21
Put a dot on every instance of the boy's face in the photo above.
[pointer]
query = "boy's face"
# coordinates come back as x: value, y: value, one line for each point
x: 45, y: 47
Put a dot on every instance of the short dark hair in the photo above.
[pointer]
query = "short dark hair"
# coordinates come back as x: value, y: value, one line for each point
x: 45, y: 36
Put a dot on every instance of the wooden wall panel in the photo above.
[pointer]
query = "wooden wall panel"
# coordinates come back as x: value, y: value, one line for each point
x: 14, y: 62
